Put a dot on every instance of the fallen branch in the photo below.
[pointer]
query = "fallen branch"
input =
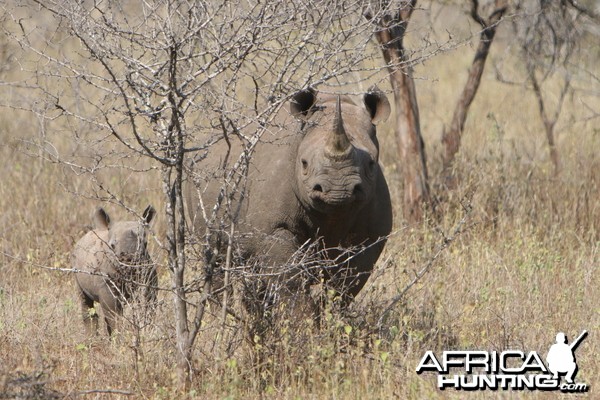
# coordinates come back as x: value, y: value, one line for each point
x: 108, y: 391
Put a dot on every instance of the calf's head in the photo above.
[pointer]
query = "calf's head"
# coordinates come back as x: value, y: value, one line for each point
x: 127, y: 239
x: 337, y: 160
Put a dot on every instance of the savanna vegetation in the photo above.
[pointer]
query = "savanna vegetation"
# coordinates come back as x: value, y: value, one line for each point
x: 503, y: 258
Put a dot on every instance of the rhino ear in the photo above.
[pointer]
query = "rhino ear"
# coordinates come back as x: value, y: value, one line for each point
x: 101, y: 219
x: 302, y: 102
x: 377, y: 105
x: 148, y: 215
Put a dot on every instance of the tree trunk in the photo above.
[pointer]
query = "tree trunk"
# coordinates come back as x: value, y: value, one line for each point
x: 175, y: 212
x: 177, y: 267
x: 392, y: 28
x: 410, y: 146
x: 549, y: 122
x: 451, y: 137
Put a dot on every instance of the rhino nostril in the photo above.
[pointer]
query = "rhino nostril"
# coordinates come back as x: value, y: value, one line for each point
x: 318, y: 188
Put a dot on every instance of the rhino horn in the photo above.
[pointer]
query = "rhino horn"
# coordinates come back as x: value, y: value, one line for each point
x: 338, y: 142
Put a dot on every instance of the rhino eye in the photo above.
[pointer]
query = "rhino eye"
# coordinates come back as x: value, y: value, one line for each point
x: 304, y: 165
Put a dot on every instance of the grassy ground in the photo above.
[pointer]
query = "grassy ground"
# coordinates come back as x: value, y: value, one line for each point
x: 525, y: 267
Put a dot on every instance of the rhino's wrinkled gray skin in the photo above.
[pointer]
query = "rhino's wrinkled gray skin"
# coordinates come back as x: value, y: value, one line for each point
x: 116, y: 261
x: 315, y: 180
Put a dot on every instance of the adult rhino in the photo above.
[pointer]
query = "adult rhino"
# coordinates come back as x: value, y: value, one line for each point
x: 315, y: 180
x: 114, y: 261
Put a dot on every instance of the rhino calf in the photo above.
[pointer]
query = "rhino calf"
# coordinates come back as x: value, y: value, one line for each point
x: 114, y: 261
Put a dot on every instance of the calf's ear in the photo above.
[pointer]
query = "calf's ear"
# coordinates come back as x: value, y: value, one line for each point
x: 148, y: 214
x: 101, y: 219
x: 302, y: 102
x: 377, y: 105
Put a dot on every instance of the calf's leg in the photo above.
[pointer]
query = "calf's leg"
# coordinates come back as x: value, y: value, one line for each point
x: 90, y: 318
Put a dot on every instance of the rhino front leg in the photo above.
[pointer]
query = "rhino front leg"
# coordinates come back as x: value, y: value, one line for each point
x: 112, y: 308
x: 349, y: 279
x: 89, y: 315
x: 284, y: 290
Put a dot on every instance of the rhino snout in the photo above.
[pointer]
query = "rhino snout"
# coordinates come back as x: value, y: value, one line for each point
x: 336, y: 194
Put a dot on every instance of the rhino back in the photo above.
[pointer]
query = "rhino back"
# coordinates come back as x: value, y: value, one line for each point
x: 265, y: 199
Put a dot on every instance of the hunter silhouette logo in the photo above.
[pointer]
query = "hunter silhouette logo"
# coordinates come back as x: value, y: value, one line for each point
x: 561, y: 356
x: 508, y: 369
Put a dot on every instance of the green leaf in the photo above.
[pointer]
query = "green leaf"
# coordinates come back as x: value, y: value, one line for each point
x: 81, y: 347
x: 347, y: 329
x: 384, y: 356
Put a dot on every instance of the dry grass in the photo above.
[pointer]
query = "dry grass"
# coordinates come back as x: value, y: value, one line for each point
x: 525, y: 268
